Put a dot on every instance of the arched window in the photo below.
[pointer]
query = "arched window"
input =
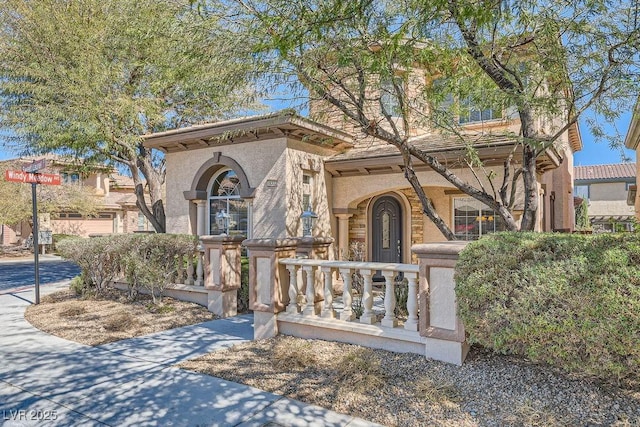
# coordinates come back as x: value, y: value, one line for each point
x: 228, y: 212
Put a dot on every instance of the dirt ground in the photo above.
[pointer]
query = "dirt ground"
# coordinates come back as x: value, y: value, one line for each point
x: 111, y: 317
x: 388, y: 388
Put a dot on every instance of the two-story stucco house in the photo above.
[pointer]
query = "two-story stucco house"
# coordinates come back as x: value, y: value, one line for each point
x: 606, y: 188
x: 256, y: 175
x: 115, y: 199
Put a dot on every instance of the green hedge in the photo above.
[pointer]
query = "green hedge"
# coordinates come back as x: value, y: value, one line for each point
x: 572, y: 301
x: 143, y: 260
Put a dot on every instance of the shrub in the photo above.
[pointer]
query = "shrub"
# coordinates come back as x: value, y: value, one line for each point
x: 572, y: 301
x: 57, y: 238
x: 153, y: 260
x: 243, y: 292
x: 97, y: 257
x: 144, y: 260
x: 79, y: 285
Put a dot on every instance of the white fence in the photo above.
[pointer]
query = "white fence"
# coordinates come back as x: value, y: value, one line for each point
x: 296, y: 296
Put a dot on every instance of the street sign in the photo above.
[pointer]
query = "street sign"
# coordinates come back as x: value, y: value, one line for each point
x: 33, y: 178
x: 35, y: 166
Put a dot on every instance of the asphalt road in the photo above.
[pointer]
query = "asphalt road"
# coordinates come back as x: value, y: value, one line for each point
x: 17, y: 274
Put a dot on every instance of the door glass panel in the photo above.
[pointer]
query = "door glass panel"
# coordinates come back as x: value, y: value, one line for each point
x: 386, y: 240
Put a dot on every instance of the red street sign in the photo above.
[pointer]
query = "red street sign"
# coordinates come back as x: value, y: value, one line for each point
x: 35, y: 166
x: 38, y: 178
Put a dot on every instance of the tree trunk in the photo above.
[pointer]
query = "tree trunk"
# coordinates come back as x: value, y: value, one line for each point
x: 143, y: 165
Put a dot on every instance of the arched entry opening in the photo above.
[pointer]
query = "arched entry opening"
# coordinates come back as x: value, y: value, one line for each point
x: 228, y: 211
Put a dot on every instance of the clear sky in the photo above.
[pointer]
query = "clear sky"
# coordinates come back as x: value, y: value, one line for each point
x: 592, y: 153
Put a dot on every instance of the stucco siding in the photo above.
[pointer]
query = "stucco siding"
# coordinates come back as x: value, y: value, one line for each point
x: 257, y: 159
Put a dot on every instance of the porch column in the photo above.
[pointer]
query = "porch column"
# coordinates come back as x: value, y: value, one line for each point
x: 201, y: 213
x: 343, y: 235
x: 268, y: 282
x: 439, y: 322
x: 222, y: 264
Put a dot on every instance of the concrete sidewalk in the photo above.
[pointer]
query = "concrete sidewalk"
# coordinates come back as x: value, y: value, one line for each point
x: 45, y: 380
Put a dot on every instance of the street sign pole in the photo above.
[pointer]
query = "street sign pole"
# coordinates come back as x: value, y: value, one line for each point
x: 31, y: 173
x: 35, y: 241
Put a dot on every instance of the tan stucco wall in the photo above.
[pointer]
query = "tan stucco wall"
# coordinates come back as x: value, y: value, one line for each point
x: 560, y: 182
x: 260, y: 161
x: 276, y: 208
x: 299, y: 163
x: 82, y: 227
x: 608, y: 198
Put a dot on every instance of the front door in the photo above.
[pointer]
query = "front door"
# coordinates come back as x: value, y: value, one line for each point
x: 386, y: 230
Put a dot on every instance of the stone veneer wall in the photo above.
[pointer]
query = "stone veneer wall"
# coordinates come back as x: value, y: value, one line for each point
x: 358, y: 222
x: 417, y: 219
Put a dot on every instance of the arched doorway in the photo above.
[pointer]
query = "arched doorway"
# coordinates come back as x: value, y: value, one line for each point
x: 386, y: 230
x: 228, y: 211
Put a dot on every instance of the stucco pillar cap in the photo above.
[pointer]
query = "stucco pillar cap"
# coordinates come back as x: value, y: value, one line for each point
x: 438, y: 250
x: 221, y: 238
x: 270, y: 243
x: 195, y: 195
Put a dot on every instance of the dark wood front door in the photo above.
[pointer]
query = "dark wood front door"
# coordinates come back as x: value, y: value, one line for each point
x: 386, y: 230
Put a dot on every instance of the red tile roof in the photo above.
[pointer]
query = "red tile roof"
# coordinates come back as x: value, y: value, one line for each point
x: 619, y: 170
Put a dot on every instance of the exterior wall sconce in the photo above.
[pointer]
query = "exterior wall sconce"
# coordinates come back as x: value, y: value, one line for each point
x: 308, y: 220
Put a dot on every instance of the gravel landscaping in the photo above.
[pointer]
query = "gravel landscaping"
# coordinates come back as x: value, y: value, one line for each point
x: 409, y: 390
x: 384, y: 387
x: 93, y: 320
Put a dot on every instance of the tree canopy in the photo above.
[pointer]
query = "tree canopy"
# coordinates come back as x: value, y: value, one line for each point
x: 91, y: 77
x: 541, y: 63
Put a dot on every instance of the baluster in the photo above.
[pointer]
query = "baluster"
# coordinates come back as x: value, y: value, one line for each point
x: 347, y: 297
x: 390, y: 319
x: 294, y: 300
x: 368, y: 316
x: 180, y: 270
x: 309, y: 308
x: 200, y: 266
x: 328, y: 311
x: 190, y: 269
x: 412, y: 302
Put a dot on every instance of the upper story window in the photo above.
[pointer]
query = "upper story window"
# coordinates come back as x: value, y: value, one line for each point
x: 581, y: 191
x: 471, y: 112
x: 389, y: 100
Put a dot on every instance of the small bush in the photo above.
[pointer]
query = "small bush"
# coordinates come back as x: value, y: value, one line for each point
x: 572, y: 301
x: 73, y: 310
x: 57, y: 238
x: 143, y: 260
x: 243, y: 292
x: 79, y: 285
x: 120, y: 321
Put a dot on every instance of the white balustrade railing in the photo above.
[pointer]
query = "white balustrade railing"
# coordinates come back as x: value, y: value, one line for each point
x: 302, y: 293
x: 190, y: 269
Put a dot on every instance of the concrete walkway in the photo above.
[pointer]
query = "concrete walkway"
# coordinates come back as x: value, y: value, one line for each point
x: 45, y: 380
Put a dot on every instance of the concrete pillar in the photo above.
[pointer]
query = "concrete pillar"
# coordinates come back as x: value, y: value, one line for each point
x: 201, y: 217
x: 222, y: 273
x: 343, y: 235
x: 439, y: 321
x: 268, y: 282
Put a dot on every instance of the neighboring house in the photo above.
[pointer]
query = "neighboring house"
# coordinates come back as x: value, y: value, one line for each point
x: 632, y: 142
x: 255, y: 176
x: 117, y: 211
x: 606, y: 187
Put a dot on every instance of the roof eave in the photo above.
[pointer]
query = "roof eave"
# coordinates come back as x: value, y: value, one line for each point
x: 633, y: 134
x: 226, y: 131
